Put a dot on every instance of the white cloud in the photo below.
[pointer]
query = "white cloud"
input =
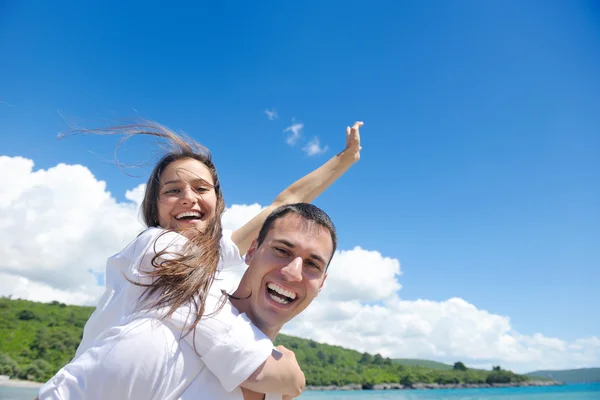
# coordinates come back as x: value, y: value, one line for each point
x: 237, y: 215
x: 314, y: 148
x: 58, y: 226
x: 347, y: 280
x: 448, y: 331
x: 21, y: 287
x: 136, y: 194
x: 295, y: 132
x: 271, y: 114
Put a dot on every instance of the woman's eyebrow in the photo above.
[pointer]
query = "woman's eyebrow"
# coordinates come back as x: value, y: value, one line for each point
x: 193, y: 181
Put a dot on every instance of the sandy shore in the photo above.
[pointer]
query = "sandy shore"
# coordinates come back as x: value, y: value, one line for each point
x: 19, y: 383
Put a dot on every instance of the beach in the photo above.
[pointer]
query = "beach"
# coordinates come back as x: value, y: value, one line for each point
x: 19, y: 383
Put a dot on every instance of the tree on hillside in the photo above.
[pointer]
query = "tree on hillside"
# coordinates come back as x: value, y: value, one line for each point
x: 366, y: 358
x: 378, y: 359
x: 408, y: 380
x: 8, y: 366
x: 459, y: 366
x: 496, y: 368
x: 26, y: 315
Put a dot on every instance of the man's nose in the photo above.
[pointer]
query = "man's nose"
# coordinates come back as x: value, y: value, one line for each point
x: 293, y: 271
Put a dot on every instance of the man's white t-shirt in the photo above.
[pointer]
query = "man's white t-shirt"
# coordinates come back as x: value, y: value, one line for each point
x: 219, y: 354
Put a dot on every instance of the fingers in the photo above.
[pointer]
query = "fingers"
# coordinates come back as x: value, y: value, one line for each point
x: 357, y: 124
x: 354, y: 128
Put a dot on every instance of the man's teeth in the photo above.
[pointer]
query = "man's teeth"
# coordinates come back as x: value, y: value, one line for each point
x: 281, y: 291
x: 278, y: 299
x: 194, y: 214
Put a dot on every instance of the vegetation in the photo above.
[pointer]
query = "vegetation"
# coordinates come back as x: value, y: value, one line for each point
x: 36, y: 339
x: 413, y: 362
x: 583, y: 375
x: 333, y: 365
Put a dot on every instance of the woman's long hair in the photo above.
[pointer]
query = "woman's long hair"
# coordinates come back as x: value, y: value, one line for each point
x: 180, y: 278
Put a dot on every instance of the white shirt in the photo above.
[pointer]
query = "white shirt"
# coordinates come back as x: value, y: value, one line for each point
x: 129, y: 353
x: 120, y: 302
x: 143, y: 360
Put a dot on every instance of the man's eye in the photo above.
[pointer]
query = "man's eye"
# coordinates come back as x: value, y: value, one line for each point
x: 280, y: 251
x: 313, y: 265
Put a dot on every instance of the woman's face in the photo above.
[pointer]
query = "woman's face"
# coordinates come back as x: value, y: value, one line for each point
x: 186, y: 196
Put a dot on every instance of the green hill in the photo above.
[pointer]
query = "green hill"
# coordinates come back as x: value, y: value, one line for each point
x: 36, y: 339
x: 414, y: 362
x: 583, y: 375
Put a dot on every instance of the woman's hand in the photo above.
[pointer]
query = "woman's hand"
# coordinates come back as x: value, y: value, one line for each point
x: 353, y: 148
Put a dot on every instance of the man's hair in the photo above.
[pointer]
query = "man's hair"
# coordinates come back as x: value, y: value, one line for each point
x: 306, y: 211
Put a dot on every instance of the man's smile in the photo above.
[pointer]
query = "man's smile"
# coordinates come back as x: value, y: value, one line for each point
x: 279, y: 294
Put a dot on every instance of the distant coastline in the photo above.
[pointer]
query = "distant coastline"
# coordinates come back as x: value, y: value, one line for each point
x: 356, y: 386
x: 433, y: 386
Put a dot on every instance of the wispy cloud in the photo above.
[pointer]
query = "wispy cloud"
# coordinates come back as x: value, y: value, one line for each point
x: 295, y: 132
x: 314, y: 148
x: 271, y: 114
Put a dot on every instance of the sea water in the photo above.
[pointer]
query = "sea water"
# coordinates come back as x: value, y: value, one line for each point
x: 17, y: 393
x: 568, y: 392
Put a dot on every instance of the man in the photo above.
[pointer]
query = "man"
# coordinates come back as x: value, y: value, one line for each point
x: 287, y: 265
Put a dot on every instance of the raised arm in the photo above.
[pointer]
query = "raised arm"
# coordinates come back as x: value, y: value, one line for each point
x: 306, y: 189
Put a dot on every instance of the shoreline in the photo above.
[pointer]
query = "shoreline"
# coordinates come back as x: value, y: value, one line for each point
x: 20, y: 383
x: 432, y: 386
x: 355, y: 386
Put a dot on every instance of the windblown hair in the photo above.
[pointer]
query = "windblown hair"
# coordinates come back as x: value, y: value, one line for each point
x: 179, y: 278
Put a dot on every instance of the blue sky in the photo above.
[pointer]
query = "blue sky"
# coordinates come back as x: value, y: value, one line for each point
x: 480, y: 164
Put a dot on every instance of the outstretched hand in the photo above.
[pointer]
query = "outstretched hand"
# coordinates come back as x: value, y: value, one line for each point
x: 353, y: 140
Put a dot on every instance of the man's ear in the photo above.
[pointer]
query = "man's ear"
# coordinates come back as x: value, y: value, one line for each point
x: 251, y: 251
x: 322, y: 282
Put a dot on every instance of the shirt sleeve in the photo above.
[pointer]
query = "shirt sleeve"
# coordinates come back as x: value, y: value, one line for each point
x: 237, y: 353
x: 155, y: 241
x: 230, y: 345
x: 122, y: 364
x: 230, y: 254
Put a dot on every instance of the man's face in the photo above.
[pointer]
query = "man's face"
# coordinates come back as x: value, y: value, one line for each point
x: 286, y: 272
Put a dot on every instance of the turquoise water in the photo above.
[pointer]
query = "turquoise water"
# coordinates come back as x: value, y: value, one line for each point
x: 570, y: 392
x: 12, y: 393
